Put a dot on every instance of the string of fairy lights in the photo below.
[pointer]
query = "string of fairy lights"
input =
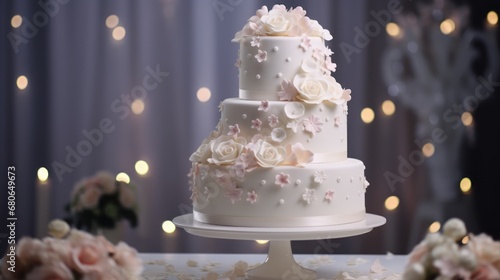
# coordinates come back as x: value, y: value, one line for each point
x: 203, y: 94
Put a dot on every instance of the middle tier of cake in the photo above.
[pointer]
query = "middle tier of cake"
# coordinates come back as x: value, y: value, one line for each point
x: 320, y: 128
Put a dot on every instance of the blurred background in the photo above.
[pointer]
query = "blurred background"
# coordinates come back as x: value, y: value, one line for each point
x: 132, y: 88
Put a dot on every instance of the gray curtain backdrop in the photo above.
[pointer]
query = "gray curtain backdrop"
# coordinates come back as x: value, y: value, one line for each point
x: 79, y: 77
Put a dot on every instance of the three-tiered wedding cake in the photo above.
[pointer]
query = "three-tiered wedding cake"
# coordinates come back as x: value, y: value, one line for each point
x: 278, y: 157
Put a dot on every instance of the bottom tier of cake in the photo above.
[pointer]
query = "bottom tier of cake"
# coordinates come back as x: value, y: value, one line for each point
x: 285, y: 196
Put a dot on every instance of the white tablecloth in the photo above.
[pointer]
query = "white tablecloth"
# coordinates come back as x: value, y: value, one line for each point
x: 200, y: 266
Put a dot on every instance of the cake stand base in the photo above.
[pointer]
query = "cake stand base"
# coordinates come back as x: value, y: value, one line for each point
x: 280, y: 263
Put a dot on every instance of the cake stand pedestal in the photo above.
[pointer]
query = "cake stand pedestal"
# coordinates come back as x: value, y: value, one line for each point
x: 280, y: 263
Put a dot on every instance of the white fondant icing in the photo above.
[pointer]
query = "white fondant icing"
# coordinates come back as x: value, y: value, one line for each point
x: 287, y: 61
x: 266, y: 209
x: 325, y: 145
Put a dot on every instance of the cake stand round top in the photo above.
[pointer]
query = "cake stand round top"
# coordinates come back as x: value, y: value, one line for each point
x: 278, y: 233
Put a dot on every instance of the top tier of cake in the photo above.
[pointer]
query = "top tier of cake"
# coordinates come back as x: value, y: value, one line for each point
x: 283, y: 57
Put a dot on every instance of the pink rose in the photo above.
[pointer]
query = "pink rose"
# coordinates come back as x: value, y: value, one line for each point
x: 486, y: 249
x: 89, y: 257
x: 55, y: 270
x: 127, y: 258
x: 77, y: 237
x: 418, y: 253
x: 28, y: 251
x: 90, y: 196
x: 56, y: 249
x: 104, y: 243
x: 106, y: 181
x: 127, y: 196
x: 485, y: 272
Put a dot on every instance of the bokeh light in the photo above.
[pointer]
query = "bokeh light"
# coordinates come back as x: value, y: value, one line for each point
x: 392, y: 202
x: 168, y: 226
x: 203, y: 94
x: 367, y: 115
x: 141, y: 167
x: 123, y: 177
x: 43, y: 174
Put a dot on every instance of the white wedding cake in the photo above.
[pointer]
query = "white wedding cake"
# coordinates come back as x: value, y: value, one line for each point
x: 278, y: 157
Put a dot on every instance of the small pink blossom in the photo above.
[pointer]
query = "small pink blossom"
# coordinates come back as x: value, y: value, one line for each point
x: 329, y: 65
x: 309, y: 195
x: 282, y: 179
x: 337, y: 121
x: 288, y: 90
x: 327, y: 51
x: 252, y: 197
x: 273, y: 120
x: 329, y: 195
x: 247, y: 161
x: 264, y: 106
x: 234, y: 194
x: 257, y: 124
x: 312, y: 124
x: 222, y: 178
x: 234, y: 130
x: 305, y: 44
x: 261, y: 56
x: 255, y: 42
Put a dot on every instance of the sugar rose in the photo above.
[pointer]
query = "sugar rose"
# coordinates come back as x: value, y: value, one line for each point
x: 312, y: 89
x: 226, y: 149
x: 268, y: 155
x: 278, y: 22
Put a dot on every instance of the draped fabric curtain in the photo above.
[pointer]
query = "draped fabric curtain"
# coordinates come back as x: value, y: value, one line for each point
x: 82, y: 81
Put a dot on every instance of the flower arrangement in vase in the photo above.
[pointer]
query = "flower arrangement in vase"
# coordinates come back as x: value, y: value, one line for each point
x: 101, y: 203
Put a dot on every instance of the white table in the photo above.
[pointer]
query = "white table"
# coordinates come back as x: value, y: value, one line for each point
x: 221, y: 266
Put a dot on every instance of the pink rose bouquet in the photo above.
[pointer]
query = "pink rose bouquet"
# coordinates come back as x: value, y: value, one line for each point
x: 101, y: 201
x: 445, y: 256
x: 76, y: 255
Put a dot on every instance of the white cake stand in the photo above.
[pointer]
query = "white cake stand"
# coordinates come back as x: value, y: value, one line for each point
x: 280, y: 263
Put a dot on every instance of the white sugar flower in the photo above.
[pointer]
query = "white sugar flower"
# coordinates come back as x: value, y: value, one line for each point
x: 294, y: 110
x: 278, y: 134
x: 309, y: 195
x: 319, y: 176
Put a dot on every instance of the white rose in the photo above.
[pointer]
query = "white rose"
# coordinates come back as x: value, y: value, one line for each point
x: 268, y: 155
x: 226, y: 149
x: 312, y: 89
x: 203, y: 153
x: 335, y: 90
x: 278, y: 22
x: 311, y: 65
